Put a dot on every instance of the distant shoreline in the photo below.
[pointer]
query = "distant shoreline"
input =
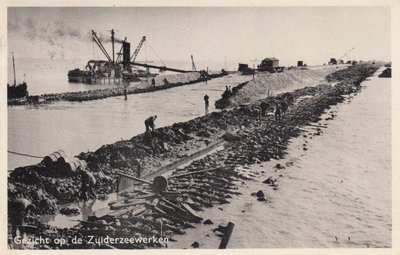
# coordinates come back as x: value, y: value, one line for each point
x: 80, y: 96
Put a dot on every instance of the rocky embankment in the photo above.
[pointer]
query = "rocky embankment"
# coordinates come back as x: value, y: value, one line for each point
x: 265, y: 84
x: 142, y: 211
x: 161, y: 83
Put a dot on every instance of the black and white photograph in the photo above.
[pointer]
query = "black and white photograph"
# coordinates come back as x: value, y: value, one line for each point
x: 199, y: 126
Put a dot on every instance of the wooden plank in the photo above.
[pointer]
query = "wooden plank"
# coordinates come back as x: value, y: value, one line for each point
x: 123, y: 211
x: 313, y: 125
x: 227, y: 236
x: 192, y: 212
x: 119, y: 206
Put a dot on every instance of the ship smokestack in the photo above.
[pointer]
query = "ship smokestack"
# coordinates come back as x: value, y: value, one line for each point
x: 126, y: 52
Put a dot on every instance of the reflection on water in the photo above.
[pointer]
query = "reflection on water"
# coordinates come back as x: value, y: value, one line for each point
x: 87, y: 209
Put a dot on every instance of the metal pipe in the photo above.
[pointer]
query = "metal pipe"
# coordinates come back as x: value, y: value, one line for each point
x: 160, y: 67
x: 133, y: 177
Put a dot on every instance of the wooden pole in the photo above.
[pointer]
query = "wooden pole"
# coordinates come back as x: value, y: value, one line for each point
x: 15, y: 82
x: 227, y: 236
x: 112, y: 39
x: 207, y: 74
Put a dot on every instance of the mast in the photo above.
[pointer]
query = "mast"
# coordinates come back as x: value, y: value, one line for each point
x: 193, y: 65
x: 112, y: 40
x: 15, y: 82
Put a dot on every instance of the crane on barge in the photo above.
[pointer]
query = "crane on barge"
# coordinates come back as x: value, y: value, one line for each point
x: 115, y: 69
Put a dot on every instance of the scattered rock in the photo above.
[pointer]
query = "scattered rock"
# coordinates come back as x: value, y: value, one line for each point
x: 289, y: 164
x: 195, y: 245
x: 70, y: 211
x: 208, y: 222
x: 260, y: 193
x: 270, y: 180
x: 228, y: 136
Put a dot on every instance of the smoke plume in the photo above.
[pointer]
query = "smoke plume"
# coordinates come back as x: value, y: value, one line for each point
x: 54, y: 34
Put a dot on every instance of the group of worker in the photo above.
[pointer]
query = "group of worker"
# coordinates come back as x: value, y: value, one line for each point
x: 281, y: 106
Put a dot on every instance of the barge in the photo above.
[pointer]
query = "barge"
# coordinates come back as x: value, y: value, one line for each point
x: 124, y: 67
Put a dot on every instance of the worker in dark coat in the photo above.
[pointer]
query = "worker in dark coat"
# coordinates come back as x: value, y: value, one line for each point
x: 264, y: 107
x: 206, y: 102
x: 88, y: 182
x: 277, y: 111
x: 284, y: 107
x: 153, y: 82
x: 126, y: 93
x: 149, y: 123
x: 18, y: 210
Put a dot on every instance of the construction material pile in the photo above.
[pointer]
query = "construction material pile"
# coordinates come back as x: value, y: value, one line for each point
x: 267, y: 83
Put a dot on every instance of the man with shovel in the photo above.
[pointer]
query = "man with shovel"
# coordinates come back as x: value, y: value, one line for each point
x: 88, y: 182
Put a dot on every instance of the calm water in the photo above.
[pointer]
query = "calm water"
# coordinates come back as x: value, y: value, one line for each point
x: 45, y: 76
x: 77, y: 127
x: 340, y: 186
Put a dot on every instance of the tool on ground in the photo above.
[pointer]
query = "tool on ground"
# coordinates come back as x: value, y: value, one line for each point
x: 160, y: 183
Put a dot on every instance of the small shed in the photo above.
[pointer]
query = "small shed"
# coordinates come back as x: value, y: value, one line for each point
x: 243, y: 67
x: 269, y: 62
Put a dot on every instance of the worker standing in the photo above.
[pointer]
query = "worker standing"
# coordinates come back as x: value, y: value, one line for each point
x: 206, y: 102
x: 277, y: 111
x: 88, y: 182
x: 264, y: 107
x: 153, y: 82
x: 18, y: 210
x: 149, y: 123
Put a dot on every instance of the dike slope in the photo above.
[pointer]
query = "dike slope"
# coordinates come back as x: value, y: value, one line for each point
x: 276, y: 83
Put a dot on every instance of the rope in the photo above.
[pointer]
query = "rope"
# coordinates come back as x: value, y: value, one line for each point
x: 156, y: 54
x: 22, y: 154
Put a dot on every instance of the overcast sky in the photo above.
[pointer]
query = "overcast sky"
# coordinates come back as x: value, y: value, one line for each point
x: 311, y: 34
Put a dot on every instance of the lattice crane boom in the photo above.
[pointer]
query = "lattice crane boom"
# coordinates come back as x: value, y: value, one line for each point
x: 347, y: 53
x: 136, y: 52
